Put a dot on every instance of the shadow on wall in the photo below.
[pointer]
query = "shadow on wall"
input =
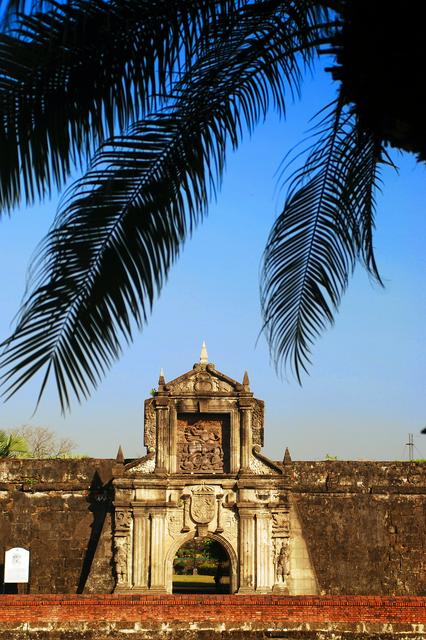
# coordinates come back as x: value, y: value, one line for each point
x: 99, y: 499
x: 6, y: 588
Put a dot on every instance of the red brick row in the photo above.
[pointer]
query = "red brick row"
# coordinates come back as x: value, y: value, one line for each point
x: 119, y: 608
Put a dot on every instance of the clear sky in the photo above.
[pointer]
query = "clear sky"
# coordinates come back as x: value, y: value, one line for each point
x: 366, y: 389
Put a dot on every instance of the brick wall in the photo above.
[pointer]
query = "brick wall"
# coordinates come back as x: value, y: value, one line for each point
x: 199, y: 608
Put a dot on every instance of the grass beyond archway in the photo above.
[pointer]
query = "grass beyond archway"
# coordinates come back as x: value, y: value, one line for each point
x: 201, y: 565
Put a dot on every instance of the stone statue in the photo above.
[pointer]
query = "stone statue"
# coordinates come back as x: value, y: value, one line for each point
x: 281, y: 565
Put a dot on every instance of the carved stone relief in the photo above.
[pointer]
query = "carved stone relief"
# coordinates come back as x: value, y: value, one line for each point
x: 121, y: 560
x: 123, y: 519
x: 281, y: 561
x: 149, y: 424
x: 281, y: 547
x: 175, y: 523
x: 201, y: 442
x: 230, y: 525
x: 280, y: 524
x: 145, y: 467
x: 203, y: 505
x: 201, y: 382
x: 221, y: 386
x: 257, y: 422
x: 258, y: 467
x: 184, y: 386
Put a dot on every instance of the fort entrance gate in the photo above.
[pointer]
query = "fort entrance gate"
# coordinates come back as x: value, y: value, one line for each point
x: 204, y: 476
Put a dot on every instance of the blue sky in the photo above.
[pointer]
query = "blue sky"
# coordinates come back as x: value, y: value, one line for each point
x: 366, y: 389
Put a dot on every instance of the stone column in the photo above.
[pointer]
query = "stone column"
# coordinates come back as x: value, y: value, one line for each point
x: 141, y: 549
x: 162, y: 449
x: 264, y: 566
x: 158, y: 533
x: 235, y: 461
x: 247, y: 552
x: 185, y: 500
x: 219, y: 498
x: 173, y: 440
x: 246, y: 444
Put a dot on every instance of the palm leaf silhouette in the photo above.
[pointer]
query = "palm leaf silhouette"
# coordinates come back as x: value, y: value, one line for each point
x: 122, y: 225
x: 74, y: 75
x: 325, y: 226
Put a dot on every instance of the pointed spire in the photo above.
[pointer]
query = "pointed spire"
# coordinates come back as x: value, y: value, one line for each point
x: 204, y: 358
x: 287, y: 456
x: 120, y: 455
x: 246, y: 381
x: 161, y: 379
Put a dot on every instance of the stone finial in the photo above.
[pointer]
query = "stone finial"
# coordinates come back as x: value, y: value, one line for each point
x: 287, y: 456
x: 161, y: 380
x: 246, y: 381
x: 120, y: 455
x: 204, y: 358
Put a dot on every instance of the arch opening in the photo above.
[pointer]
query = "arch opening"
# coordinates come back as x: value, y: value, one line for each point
x: 201, y: 565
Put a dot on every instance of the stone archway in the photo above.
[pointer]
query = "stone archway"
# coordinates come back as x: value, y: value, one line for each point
x: 233, y: 563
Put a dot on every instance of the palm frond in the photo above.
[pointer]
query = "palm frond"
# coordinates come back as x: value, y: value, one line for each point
x: 326, y: 225
x: 122, y: 226
x: 79, y: 71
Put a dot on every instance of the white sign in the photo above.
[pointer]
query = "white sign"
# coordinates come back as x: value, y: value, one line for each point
x: 16, y: 565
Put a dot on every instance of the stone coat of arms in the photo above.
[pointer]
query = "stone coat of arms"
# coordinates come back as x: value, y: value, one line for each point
x: 203, y: 503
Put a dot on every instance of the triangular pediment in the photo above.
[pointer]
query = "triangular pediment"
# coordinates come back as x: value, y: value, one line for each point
x: 203, y: 379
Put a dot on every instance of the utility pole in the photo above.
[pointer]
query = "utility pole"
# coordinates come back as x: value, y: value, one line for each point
x: 410, y: 445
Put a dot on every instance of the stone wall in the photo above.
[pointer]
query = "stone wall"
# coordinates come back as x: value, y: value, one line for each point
x: 61, y: 511
x: 362, y: 524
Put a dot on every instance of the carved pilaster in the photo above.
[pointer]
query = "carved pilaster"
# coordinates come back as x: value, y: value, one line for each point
x: 246, y: 439
x: 281, y: 542
x: 122, y: 525
x: 141, y: 549
x: 235, y: 454
x: 162, y: 450
x: 173, y: 440
x: 247, y: 544
x: 264, y: 567
x: 158, y: 535
x: 219, y: 498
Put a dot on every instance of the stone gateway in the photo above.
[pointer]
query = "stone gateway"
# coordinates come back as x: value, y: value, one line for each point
x: 204, y: 477
x: 286, y: 528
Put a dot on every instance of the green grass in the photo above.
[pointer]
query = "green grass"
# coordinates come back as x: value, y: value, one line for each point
x: 190, y: 578
x: 197, y: 583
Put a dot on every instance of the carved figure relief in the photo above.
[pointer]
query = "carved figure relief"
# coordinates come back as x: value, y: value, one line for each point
x: 200, y: 445
x: 281, y: 564
x: 203, y: 505
x: 120, y: 558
